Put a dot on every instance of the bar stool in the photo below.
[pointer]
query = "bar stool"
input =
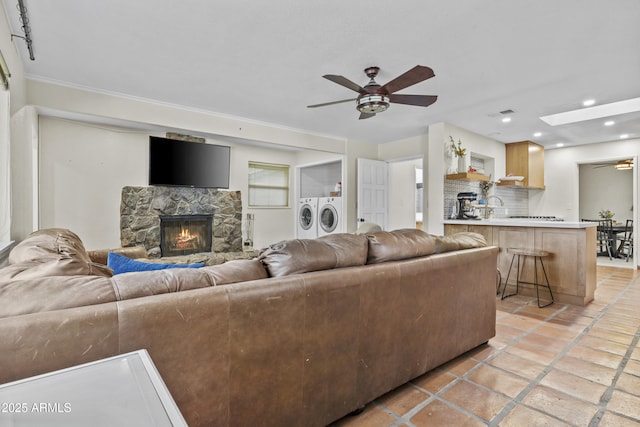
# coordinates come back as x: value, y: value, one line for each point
x: 537, y: 256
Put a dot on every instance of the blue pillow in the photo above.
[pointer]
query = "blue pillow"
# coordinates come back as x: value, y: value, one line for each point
x: 121, y: 264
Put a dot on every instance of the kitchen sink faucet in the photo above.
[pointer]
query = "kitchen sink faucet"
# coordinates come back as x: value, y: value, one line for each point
x: 488, y: 212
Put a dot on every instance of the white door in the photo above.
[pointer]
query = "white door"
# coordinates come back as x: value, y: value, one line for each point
x: 372, y: 192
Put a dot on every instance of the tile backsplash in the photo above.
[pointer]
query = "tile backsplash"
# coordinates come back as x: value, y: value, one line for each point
x: 516, y: 200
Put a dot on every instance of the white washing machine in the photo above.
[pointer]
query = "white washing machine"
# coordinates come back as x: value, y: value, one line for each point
x: 329, y: 215
x: 307, y: 220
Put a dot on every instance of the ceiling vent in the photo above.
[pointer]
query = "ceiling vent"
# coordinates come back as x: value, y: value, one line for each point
x: 509, y: 111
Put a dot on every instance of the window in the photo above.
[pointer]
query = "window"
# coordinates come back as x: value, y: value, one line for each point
x: 268, y: 185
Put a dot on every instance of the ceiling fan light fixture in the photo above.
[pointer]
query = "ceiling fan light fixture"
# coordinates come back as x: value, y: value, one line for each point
x: 373, y: 103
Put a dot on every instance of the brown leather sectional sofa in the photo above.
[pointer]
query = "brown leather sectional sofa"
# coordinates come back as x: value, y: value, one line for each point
x: 303, y: 335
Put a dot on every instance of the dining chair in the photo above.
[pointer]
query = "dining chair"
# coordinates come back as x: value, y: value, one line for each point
x: 605, y: 236
x: 625, y: 246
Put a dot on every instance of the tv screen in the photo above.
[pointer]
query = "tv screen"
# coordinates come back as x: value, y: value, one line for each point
x: 183, y: 163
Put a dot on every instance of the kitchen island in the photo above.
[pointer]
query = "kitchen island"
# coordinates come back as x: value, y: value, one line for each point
x: 571, y: 264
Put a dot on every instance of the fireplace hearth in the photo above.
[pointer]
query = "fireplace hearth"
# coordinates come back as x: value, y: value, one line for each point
x: 185, y: 234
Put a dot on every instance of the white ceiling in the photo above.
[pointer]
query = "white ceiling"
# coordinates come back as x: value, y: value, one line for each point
x: 264, y: 60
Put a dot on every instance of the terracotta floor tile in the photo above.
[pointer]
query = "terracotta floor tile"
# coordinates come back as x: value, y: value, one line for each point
x: 508, y: 332
x: 554, y: 331
x: 533, y: 353
x: 499, y: 343
x: 483, y: 403
x: 611, y: 335
x: 588, y: 370
x: 517, y: 365
x: 435, y: 380
x: 603, y: 344
x: 571, y: 410
x: 624, y: 404
x: 612, y: 420
x: 460, y: 365
x: 498, y: 380
x: 622, y: 317
x: 438, y: 413
x: 373, y: 416
x: 545, y: 342
x: 522, y: 416
x: 519, y: 321
x: 573, y: 317
x: 600, y: 357
x: 629, y: 384
x: 532, y: 311
x: 403, y: 399
x: 574, y: 385
x: 484, y: 352
x: 633, y: 368
x: 617, y: 327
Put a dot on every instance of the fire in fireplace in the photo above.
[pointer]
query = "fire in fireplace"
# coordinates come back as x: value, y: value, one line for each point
x: 185, y: 234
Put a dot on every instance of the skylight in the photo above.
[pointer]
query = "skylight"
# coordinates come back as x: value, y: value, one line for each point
x: 590, y: 113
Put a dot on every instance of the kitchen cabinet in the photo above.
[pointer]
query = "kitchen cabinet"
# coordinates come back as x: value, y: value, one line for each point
x: 571, y: 265
x: 525, y: 159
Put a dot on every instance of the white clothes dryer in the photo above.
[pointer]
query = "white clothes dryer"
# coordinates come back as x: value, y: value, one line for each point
x: 307, y: 218
x: 329, y: 215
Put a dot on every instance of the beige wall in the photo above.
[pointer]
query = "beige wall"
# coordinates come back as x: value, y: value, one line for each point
x: 84, y: 166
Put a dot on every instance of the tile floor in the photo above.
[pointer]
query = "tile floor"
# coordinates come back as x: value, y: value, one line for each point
x: 557, y: 366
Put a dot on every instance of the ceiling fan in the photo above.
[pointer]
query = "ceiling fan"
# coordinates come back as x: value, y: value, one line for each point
x: 619, y: 165
x: 374, y: 98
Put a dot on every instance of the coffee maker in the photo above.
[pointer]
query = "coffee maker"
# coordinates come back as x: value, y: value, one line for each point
x: 464, y: 205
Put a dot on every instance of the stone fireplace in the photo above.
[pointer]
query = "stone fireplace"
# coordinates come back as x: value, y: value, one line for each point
x: 141, y: 209
x: 185, y: 234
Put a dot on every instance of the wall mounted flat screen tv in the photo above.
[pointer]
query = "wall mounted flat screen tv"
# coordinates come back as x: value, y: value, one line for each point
x: 191, y: 164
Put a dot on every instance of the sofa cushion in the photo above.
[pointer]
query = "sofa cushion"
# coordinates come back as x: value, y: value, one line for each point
x: 53, y: 293
x: 241, y: 270
x: 399, y: 244
x: 145, y: 283
x: 138, y: 284
x: 304, y: 255
x: 121, y: 264
x: 458, y: 241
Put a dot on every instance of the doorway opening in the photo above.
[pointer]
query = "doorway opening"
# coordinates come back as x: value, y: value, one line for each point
x: 607, y: 190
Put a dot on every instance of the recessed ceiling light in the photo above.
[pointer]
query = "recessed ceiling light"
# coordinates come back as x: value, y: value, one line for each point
x: 506, y: 119
x: 624, y: 136
x: 609, y: 123
x: 559, y: 144
x: 597, y: 112
x: 537, y: 134
x: 588, y: 102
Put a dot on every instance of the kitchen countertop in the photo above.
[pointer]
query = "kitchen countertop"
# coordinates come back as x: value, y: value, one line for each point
x: 521, y: 222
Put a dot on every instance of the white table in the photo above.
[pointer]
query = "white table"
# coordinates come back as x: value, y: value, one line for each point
x: 124, y: 390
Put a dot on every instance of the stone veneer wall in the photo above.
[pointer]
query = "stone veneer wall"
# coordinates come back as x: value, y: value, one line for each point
x: 140, y: 208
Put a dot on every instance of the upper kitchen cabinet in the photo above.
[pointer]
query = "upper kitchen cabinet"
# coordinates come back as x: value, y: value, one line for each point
x: 525, y: 159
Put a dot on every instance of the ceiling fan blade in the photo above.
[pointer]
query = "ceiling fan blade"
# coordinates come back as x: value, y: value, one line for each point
x: 331, y: 103
x: 419, y: 100
x: 366, y: 115
x: 411, y: 77
x: 343, y: 81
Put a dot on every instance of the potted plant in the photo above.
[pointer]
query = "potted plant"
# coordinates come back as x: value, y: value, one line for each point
x: 606, y: 214
x: 458, y: 151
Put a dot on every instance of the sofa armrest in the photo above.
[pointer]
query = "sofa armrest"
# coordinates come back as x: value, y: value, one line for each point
x: 134, y: 252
